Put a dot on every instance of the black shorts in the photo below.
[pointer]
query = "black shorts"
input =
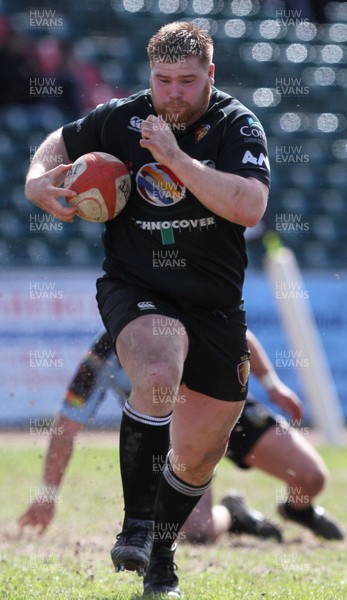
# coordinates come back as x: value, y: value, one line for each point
x: 255, y: 420
x: 217, y: 363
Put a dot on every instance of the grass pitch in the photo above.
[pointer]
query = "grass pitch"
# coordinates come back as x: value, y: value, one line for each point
x: 72, y: 562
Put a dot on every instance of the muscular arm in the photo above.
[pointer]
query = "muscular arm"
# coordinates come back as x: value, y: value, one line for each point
x: 278, y: 392
x: 237, y: 199
x: 42, y: 182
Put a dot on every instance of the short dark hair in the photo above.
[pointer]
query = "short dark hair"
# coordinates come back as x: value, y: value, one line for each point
x: 178, y: 40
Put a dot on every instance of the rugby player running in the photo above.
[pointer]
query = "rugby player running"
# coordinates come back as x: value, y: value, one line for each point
x: 191, y: 142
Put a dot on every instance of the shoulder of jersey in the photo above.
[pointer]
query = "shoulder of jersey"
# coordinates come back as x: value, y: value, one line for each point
x: 235, y: 110
x: 229, y: 104
x: 130, y: 111
x: 132, y: 102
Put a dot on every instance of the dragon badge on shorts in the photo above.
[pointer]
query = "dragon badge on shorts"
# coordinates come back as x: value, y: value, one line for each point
x: 243, y: 371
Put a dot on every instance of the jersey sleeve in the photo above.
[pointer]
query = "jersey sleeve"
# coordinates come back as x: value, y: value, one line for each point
x: 244, y: 148
x: 85, y: 134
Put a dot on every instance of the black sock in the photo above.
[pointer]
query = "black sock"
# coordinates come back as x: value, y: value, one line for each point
x: 176, y: 500
x: 143, y: 445
x: 300, y: 515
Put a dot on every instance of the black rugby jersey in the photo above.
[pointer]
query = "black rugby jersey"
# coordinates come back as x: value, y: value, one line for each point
x: 165, y: 239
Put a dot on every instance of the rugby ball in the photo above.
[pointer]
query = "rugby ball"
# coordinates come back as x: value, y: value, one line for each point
x: 102, y: 183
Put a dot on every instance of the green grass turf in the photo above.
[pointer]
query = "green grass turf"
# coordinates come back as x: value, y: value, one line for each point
x: 72, y: 560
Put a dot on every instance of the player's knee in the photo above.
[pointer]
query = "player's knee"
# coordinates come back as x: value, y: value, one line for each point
x: 318, y: 478
x: 313, y: 479
x: 160, y: 381
x: 199, y: 467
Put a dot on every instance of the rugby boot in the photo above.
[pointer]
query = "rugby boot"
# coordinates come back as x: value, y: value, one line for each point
x: 132, y: 550
x: 247, y: 520
x: 314, y: 518
x: 160, y: 580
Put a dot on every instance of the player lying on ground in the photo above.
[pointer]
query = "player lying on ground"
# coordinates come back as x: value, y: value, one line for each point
x: 260, y: 439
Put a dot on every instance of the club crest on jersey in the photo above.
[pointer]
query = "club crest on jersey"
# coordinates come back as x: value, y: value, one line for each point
x: 201, y: 131
x: 243, y: 370
x: 158, y: 185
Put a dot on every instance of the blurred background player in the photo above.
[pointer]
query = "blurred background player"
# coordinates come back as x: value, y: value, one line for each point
x: 260, y: 439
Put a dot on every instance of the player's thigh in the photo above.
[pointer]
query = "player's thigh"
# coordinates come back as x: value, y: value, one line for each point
x: 200, y: 428
x: 141, y: 344
x: 286, y: 454
x: 144, y: 327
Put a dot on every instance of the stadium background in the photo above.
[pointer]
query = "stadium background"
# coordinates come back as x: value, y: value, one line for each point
x: 285, y: 60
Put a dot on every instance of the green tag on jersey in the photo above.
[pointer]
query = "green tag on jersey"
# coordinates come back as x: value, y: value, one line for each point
x: 167, y: 236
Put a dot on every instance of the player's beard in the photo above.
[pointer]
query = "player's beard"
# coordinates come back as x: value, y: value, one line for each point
x: 182, y: 113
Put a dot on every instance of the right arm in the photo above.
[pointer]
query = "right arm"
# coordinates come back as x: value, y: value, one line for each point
x: 42, y: 182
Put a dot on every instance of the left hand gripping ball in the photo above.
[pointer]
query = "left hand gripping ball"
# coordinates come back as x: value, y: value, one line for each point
x: 102, y: 183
